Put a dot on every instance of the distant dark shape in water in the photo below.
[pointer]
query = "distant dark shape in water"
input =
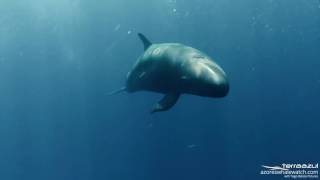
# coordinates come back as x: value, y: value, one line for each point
x: 174, y: 69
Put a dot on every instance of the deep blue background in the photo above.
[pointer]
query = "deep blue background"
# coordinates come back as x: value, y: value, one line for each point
x: 60, y: 58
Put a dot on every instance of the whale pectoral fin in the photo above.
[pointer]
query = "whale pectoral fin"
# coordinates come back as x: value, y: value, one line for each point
x: 166, y: 102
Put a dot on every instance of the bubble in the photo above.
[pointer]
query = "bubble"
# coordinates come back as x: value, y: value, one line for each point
x: 191, y: 146
x: 150, y: 125
x: 2, y: 59
x: 174, y: 10
x: 129, y: 32
x: 117, y: 27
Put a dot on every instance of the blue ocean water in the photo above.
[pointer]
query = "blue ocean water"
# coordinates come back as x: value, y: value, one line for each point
x: 60, y: 58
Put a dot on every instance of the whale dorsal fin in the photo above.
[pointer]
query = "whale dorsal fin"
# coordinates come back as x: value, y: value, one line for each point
x: 145, y: 41
x: 166, y: 102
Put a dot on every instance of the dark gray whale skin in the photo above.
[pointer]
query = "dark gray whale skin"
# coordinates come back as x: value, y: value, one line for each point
x: 174, y: 69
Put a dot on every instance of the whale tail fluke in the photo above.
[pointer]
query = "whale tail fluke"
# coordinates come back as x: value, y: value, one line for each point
x: 145, y: 41
x: 123, y: 89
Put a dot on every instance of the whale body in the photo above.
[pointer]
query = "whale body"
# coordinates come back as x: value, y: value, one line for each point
x: 174, y: 69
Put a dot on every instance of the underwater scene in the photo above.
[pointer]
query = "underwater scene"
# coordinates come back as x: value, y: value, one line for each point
x: 159, y: 89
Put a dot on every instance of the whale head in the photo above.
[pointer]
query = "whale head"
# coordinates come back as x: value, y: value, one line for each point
x: 206, y: 78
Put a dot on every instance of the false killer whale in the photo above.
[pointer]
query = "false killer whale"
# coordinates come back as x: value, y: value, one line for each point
x: 174, y: 69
